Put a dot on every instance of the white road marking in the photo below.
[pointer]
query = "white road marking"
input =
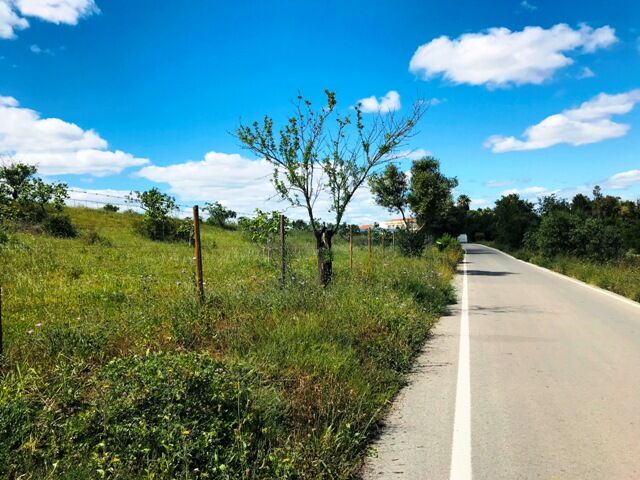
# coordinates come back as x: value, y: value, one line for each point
x: 461, y: 448
x: 608, y: 293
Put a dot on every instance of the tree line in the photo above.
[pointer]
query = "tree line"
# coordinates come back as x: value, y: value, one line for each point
x: 598, y: 227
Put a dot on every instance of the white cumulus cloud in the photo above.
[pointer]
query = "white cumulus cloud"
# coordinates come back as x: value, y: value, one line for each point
x: 243, y: 185
x: 622, y: 180
x: 55, y: 146
x: 388, y: 103
x: 12, y: 13
x: 10, y: 21
x: 500, y: 57
x: 589, y: 123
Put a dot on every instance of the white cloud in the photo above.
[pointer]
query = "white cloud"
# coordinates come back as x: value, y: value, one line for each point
x: 479, y: 202
x: 586, y: 72
x: 389, y: 103
x: 528, y: 192
x: 529, y: 6
x: 57, y: 11
x: 589, y: 123
x: 55, y: 146
x: 416, y: 154
x: 500, y: 57
x: 622, y: 180
x: 243, y: 185
x: 12, y: 13
x: 10, y: 21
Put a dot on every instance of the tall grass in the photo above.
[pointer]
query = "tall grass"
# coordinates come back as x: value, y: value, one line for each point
x: 113, y: 369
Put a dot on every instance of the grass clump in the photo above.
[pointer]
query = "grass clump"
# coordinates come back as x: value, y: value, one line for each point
x: 113, y: 369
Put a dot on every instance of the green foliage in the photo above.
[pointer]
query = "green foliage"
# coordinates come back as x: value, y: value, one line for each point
x: 109, y: 358
x: 218, y: 214
x: 27, y: 198
x: 410, y: 243
x: 596, y: 240
x: 111, y: 208
x: 311, y: 156
x: 262, y: 228
x: 59, y: 225
x: 514, y: 216
x: 156, y: 223
x: 390, y: 189
x: 430, y: 194
x: 167, y: 415
x: 446, y: 242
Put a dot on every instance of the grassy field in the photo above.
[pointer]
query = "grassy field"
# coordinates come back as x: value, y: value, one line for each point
x: 112, y: 369
x: 622, y: 276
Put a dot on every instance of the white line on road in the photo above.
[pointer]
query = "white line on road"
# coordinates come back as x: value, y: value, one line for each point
x: 461, y: 448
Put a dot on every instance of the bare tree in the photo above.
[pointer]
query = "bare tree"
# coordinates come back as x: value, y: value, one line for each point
x: 311, y: 157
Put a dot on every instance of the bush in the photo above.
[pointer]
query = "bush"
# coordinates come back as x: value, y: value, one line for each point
x: 555, y: 234
x: 596, y: 240
x: 92, y: 237
x: 111, y: 208
x: 446, y: 242
x: 59, y: 225
x: 410, y: 243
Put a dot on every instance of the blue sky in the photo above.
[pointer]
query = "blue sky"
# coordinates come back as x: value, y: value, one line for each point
x: 145, y: 93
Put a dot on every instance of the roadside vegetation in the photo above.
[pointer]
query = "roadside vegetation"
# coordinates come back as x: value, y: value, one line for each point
x: 112, y: 368
x: 595, y: 239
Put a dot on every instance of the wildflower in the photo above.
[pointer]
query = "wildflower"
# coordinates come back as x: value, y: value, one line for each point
x: 178, y: 283
x: 39, y: 324
x: 186, y: 433
x: 29, y: 332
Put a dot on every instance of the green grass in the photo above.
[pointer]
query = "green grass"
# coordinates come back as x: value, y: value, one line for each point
x: 621, y: 276
x: 112, y: 368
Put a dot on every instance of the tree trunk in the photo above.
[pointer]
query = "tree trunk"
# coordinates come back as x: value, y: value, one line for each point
x: 325, y: 255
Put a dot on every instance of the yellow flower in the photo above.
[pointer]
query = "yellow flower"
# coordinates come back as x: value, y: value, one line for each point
x: 185, y: 432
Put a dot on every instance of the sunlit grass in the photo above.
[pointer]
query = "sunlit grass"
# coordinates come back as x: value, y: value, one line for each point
x: 76, y: 310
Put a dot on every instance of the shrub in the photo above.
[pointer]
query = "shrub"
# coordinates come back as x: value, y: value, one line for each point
x: 59, y: 225
x: 555, y: 234
x: 111, y: 208
x: 92, y: 237
x: 262, y: 228
x: 596, y: 240
x: 447, y: 241
x: 410, y: 243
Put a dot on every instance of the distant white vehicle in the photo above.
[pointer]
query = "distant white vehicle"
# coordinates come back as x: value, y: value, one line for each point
x: 463, y: 238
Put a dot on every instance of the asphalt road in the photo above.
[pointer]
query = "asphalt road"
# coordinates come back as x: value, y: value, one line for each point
x: 539, y: 374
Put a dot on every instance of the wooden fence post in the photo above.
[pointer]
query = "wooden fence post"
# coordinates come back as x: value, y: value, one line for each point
x: 393, y: 240
x: 382, y: 241
x: 351, y: 248
x: 370, y: 242
x: 283, y: 266
x: 198, y: 253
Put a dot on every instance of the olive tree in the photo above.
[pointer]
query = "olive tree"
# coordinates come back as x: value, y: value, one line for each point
x: 312, y: 157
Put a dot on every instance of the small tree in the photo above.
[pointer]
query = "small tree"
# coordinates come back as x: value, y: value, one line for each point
x: 430, y: 196
x: 218, y: 214
x: 390, y: 189
x: 311, y: 158
x: 25, y: 196
x: 156, y: 224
